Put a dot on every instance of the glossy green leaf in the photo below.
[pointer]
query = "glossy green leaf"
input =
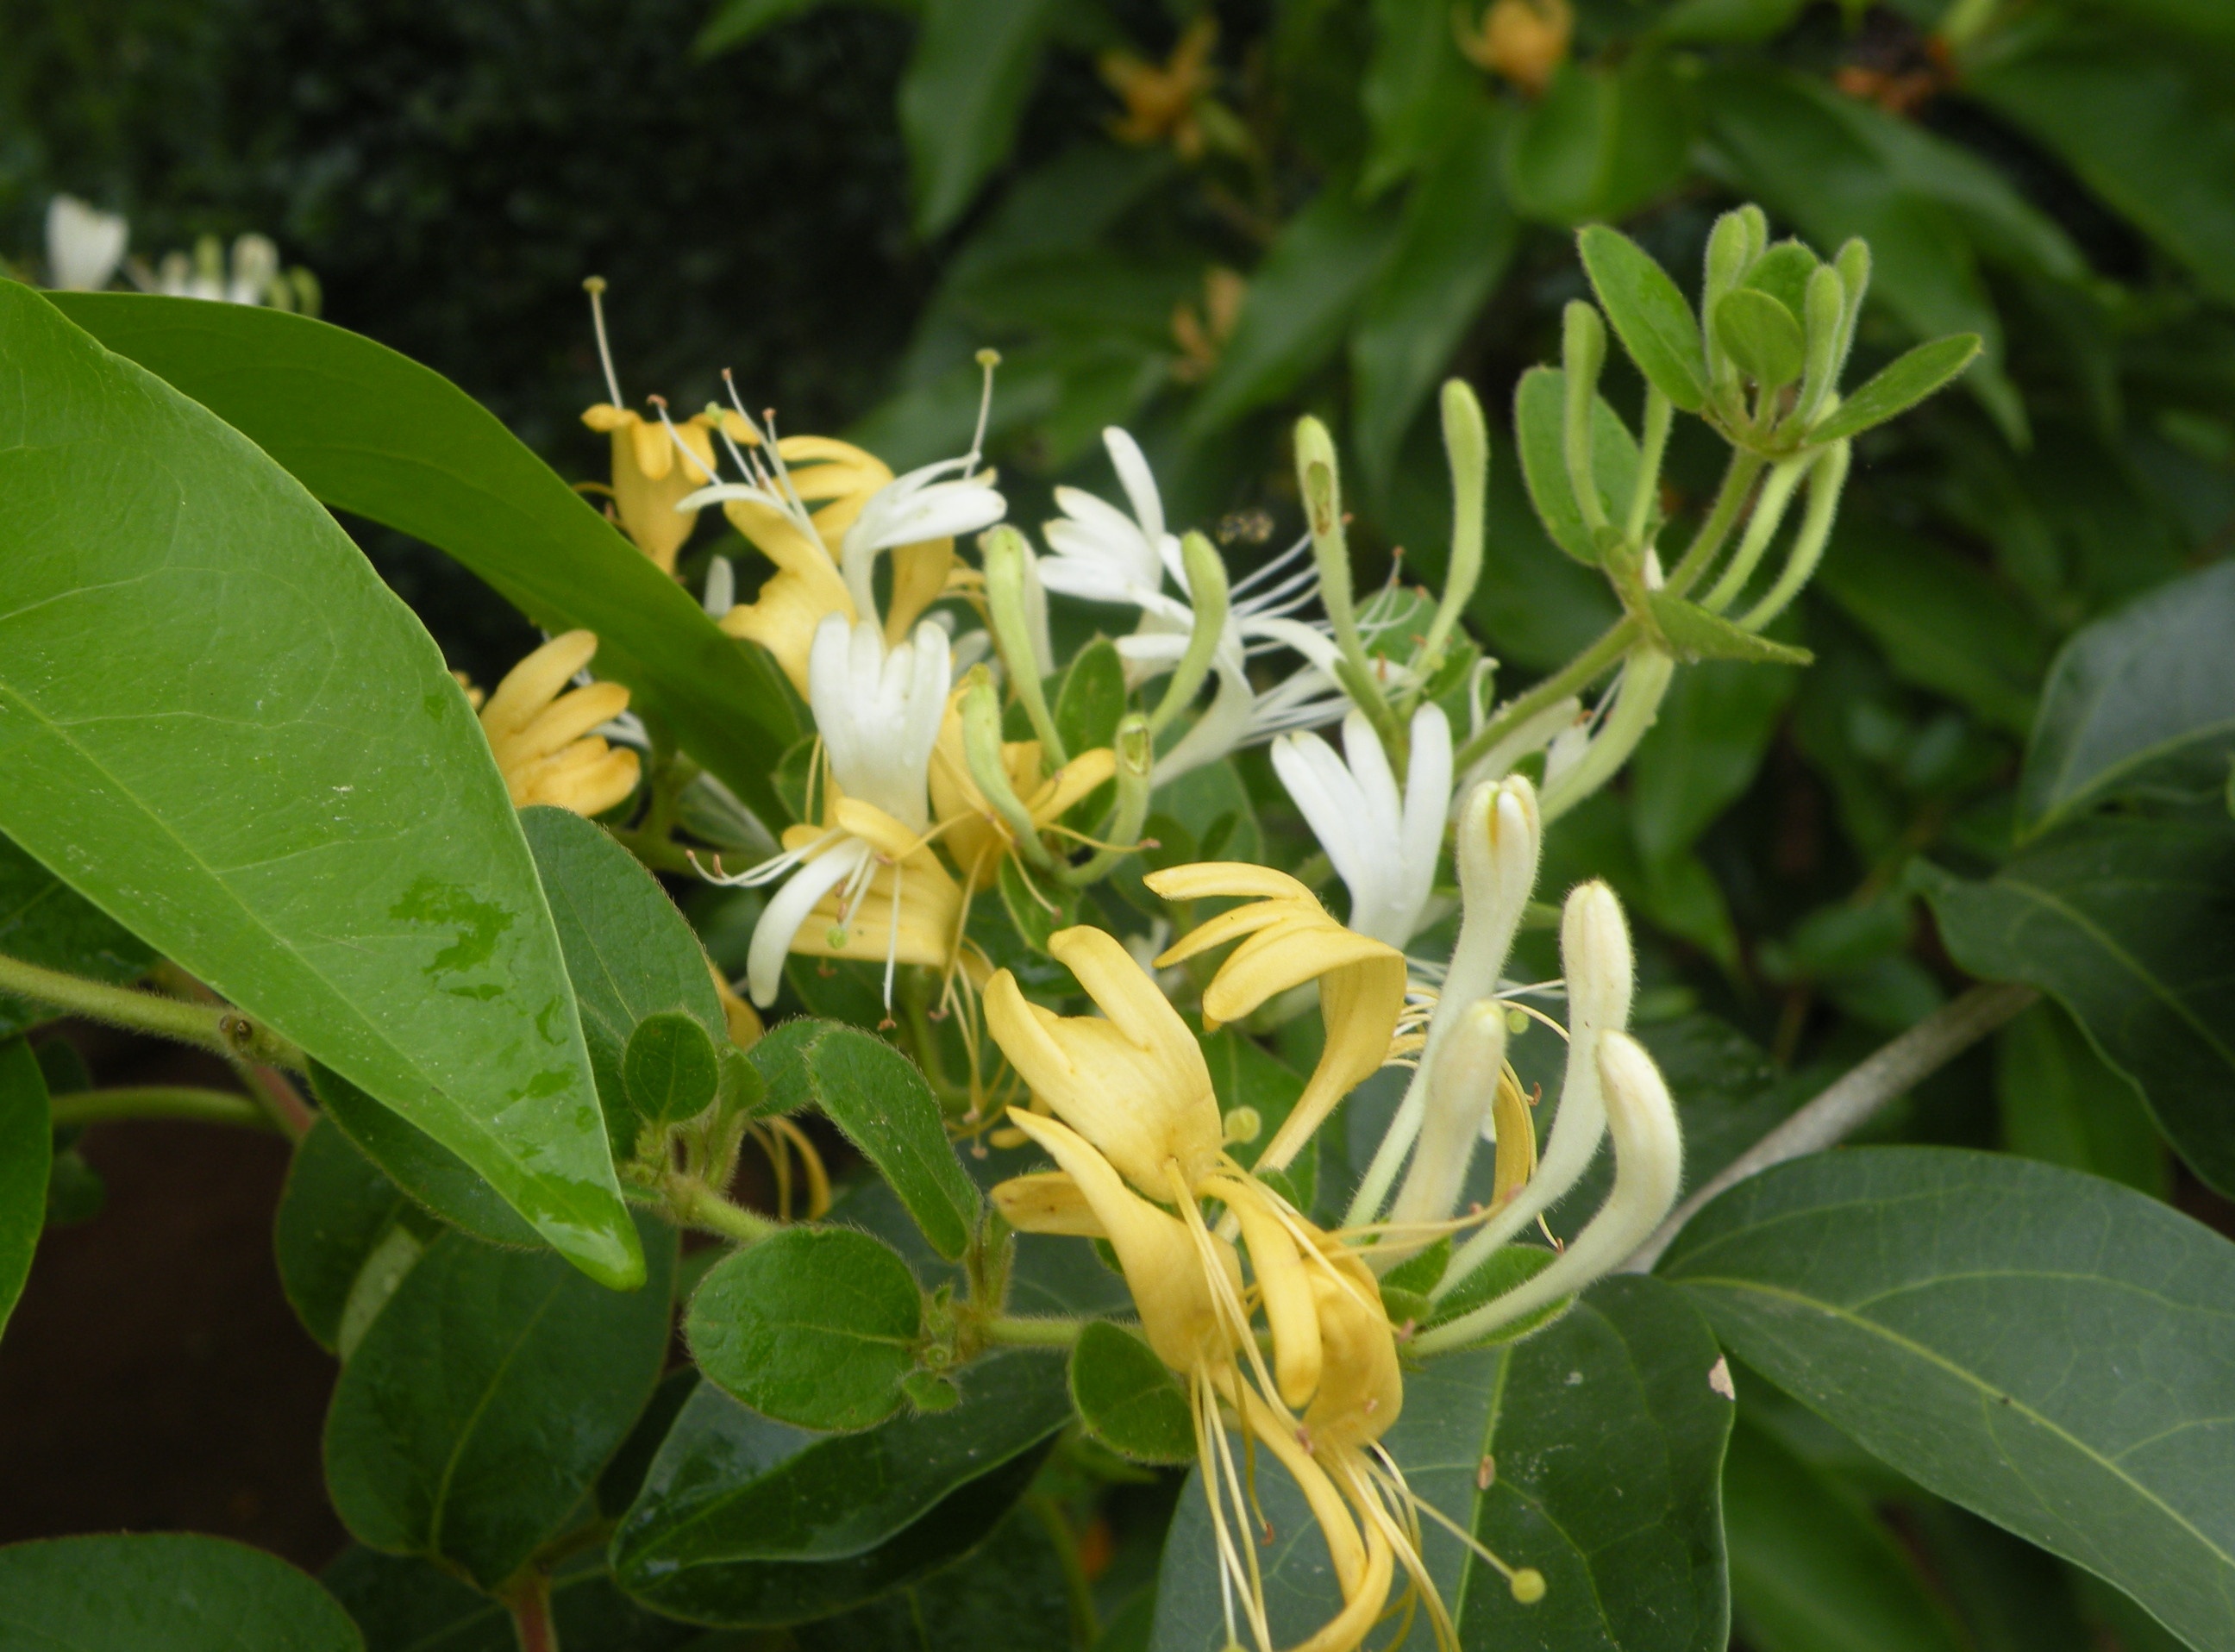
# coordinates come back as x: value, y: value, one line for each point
x: 1893, y: 390
x: 1454, y: 246
x: 1091, y: 697
x: 1126, y: 1398
x: 960, y: 97
x: 629, y: 952
x: 333, y: 848
x: 2045, y: 1348
x: 406, y: 1605
x: 1539, y: 417
x: 1811, y: 1569
x: 336, y: 1213
x: 2139, y: 705
x: 480, y: 1407
x: 623, y: 1477
x: 376, y: 434
x: 2063, y: 1104
x: 182, y: 1593
x: 671, y: 1067
x: 735, y: 23
x: 1761, y: 337
x: 438, y: 1179
x: 1694, y: 633
x: 26, y: 1157
x: 43, y: 921
x: 814, y: 1327
x: 2131, y: 926
x: 1656, y: 326
x: 1302, y: 299
x: 1602, y: 141
x: 1592, y: 1451
x: 1011, y: 1593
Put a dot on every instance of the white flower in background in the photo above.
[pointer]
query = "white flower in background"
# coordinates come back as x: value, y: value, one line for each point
x: 942, y: 500
x: 251, y: 276
x: 1384, y: 845
x: 84, y: 246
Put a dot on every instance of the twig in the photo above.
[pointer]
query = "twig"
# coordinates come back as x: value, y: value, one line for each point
x: 1849, y: 1101
x: 217, y: 1027
x: 158, y: 1101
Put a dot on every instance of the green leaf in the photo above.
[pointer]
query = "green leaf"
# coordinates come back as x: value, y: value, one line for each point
x: 438, y: 1179
x: 406, y: 1605
x: 1037, y: 908
x: 374, y: 433
x: 1539, y: 414
x: 1012, y: 1593
x: 2130, y: 925
x: 672, y: 1068
x: 43, y: 921
x: 1300, y: 300
x: 629, y: 952
x: 336, y: 1213
x: 1657, y: 327
x: 1812, y: 1569
x: 1417, y: 89
x: 960, y: 97
x: 2045, y: 1348
x: 878, y: 1098
x: 814, y: 1327
x: 735, y: 23
x: 1600, y: 142
x: 184, y: 1594
x: 1761, y: 337
x: 26, y: 1157
x: 1782, y: 272
x: 1455, y: 244
x: 478, y: 1409
x: 333, y: 848
x: 2141, y: 704
x: 1605, y: 1448
x: 1727, y: 20
x: 1898, y: 387
x: 1091, y: 697
x: 1703, y: 752
x: 2063, y: 1104
x: 1696, y: 634
x: 1126, y: 1398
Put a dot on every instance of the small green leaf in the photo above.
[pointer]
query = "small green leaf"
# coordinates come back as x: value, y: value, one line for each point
x: 335, y: 1212
x: 441, y: 1182
x: 1602, y: 141
x: 1656, y: 326
x: 1416, y: 91
x: 1696, y: 634
x: 1126, y: 1398
x: 735, y: 23
x: 26, y: 1157
x: 1762, y: 336
x: 962, y: 94
x: 480, y: 1407
x: 182, y: 1593
x: 1091, y: 697
x: 1782, y: 272
x: 1539, y: 417
x: 815, y: 1327
x: 1899, y: 386
x: 672, y: 1068
x: 43, y: 921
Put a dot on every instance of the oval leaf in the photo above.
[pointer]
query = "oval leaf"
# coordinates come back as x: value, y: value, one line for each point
x: 183, y: 1594
x: 1126, y: 1398
x: 1656, y: 326
x: 335, y: 1213
x: 671, y: 1067
x: 1539, y: 417
x: 814, y: 1327
x: 287, y: 792
x: 1694, y: 633
x: 26, y: 1155
x: 1897, y: 388
x: 2047, y: 1348
x: 1762, y: 336
x: 444, y: 1184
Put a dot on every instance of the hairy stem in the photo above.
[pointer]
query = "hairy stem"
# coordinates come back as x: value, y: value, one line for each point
x: 1572, y: 678
x: 1848, y: 1103
x: 1014, y: 1332
x: 219, y: 1027
x: 1722, y: 517
x: 700, y: 1205
x: 158, y: 1101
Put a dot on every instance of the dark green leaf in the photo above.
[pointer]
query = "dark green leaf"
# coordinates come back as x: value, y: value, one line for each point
x: 333, y: 849
x: 1696, y: 634
x: 336, y: 1214
x: 960, y: 97
x: 2045, y: 1348
x: 1731, y: 20
x: 2063, y: 1104
x: 814, y: 1327
x: 1091, y: 697
x: 1037, y: 906
x: 1762, y: 337
x: 1011, y: 1594
x: 1657, y: 327
x: 183, y: 1594
x: 43, y: 921
x: 1703, y: 751
x: 1600, y: 142
x: 672, y: 1068
x: 1898, y: 387
x: 404, y: 1605
x: 1601, y: 1442
x: 2141, y: 704
x: 373, y: 433
x: 2131, y: 926
x: 480, y: 1407
x: 1415, y: 90
x: 441, y: 1182
x: 1126, y: 1398
x: 1539, y: 416
x: 622, y: 1481
x: 26, y: 1157
x: 629, y: 951
x: 735, y: 22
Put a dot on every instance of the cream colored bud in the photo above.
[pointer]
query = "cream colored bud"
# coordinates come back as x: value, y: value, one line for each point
x: 1596, y: 953
x: 1461, y: 1087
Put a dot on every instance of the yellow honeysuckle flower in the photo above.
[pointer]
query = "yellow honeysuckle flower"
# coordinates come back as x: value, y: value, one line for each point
x: 743, y: 1020
x: 854, y: 913
x: 1290, y: 939
x: 973, y: 831
x: 650, y: 477
x: 542, y: 740
x: 1160, y: 100
x: 1524, y: 40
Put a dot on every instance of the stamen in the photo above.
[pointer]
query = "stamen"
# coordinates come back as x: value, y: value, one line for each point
x: 988, y: 360
x: 595, y: 286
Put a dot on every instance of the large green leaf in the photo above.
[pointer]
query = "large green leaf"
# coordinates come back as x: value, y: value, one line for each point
x: 2061, y: 1103
x: 960, y: 99
x: 339, y: 1218
x: 2141, y: 704
x: 1602, y: 1440
x: 43, y: 921
x: 1602, y: 141
x: 1416, y: 89
x: 405, y: 1605
x: 1013, y: 1593
x: 1703, y: 751
x: 2046, y: 1348
x: 376, y: 434
x: 443, y: 1185
x: 482, y: 1404
x: 2131, y: 926
x: 182, y: 1593
x: 284, y: 791
x: 26, y: 1155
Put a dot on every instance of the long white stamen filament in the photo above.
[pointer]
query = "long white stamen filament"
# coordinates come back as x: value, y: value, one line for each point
x: 595, y: 286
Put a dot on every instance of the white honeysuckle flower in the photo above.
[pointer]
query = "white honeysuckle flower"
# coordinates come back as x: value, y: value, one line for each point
x: 84, y: 246
x: 913, y: 507
x: 1101, y: 554
x: 255, y: 267
x: 1384, y: 845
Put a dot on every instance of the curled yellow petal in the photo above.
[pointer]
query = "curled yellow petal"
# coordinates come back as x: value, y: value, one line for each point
x: 1047, y: 1201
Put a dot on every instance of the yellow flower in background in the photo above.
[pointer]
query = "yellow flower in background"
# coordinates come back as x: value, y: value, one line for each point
x: 1201, y: 335
x: 542, y: 739
x: 1160, y: 99
x: 1524, y: 40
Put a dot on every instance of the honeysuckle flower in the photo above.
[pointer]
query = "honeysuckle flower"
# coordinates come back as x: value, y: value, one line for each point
x: 1160, y: 100
x: 249, y: 276
x: 972, y: 832
x: 1288, y: 938
x: 1524, y: 40
x: 84, y: 246
x: 1384, y: 845
x: 656, y: 463
x: 542, y: 738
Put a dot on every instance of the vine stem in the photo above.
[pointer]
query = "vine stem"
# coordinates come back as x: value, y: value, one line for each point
x: 158, y: 1101
x: 1007, y: 1332
x: 1849, y: 1101
x: 1572, y: 678
x: 217, y: 1027
x: 529, y: 1601
x: 702, y: 1207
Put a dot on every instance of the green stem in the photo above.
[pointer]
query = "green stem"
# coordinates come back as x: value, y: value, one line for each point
x: 1660, y: 414
x: 217, y: 1027
x: 1730, y: 500
x: 158, y: 1101
x: 1571, y: 678
x: 1009, y: 1332
x: 700, y: 1205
